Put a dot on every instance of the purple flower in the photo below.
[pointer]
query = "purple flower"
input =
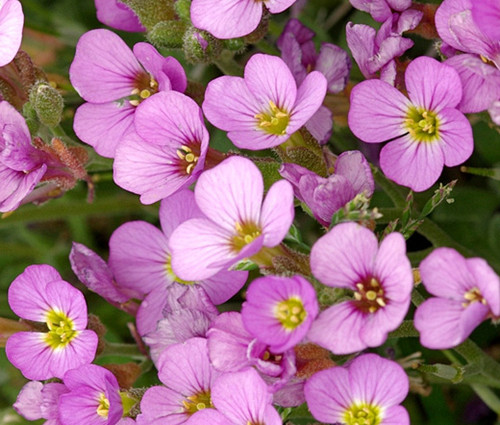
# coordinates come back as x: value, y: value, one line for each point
x: 188, y: 376
x: 172, y: 315
x: 96, y: 275
x: 232, y: 18
x: 21, y: 165
x: 376, y: 51
x: 168, y: 152
x: 93, y: 397
x: 299, y: 53
x: 237, y: 224
x: 278, y: 311
x: 381, y: 9
x: 381, y: 277
x: 486, y: 14
x: 480, y: 82
x: 240, y: 398
x: 114, y: 81
x: 325, y: 196
x: 231, y: 348
x: 425, y: 131
x: 265, y: 108
x: 457, y: 28
x: 465, y: 292
x: 40, y: 401
x: 39, y: 294
x: 11, y: 29
x: 367, y: 390
x: 140, y: 258
x: 118, y: 15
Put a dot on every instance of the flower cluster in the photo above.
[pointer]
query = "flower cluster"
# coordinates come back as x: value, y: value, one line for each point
x: 240, y: 306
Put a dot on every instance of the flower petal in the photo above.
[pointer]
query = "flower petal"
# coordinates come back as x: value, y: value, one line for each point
x: 377, y: 111
x: 408, y: 162
x: 432, y: 84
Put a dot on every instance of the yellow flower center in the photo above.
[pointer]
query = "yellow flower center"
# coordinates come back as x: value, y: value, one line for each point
x: 197, y: 402
x: 245, y: 234
x: 472, y: 296
x: 188, y: 157
x: 369, y: 296
x: 144, y: 87
x: 291, y: 313
x: 362, y: 414
x: 422, y: 124
x: 273, y: 121
x: 103, y: 407
x: 61, y: 329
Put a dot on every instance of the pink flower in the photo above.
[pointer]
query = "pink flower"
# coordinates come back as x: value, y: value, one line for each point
x: 381, y: 278
x: 279, y: 311
x: 466, y: 292
x: 114, y: 81
x: 39, y: 294
x: 367, y: 390
x: 265, y: 108
x: 424, y: 132
x: 237, y: 224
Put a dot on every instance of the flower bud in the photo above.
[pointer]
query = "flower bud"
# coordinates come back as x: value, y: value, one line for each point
x: 151, y: 12
x: 167, y: 34
x: 47, y: 102
x: 200, y: 46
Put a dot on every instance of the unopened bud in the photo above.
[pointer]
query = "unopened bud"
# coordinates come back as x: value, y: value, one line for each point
x: 47, y: 102
x: 151, y: 12
x: 200, y: 46
x: 167, y: 34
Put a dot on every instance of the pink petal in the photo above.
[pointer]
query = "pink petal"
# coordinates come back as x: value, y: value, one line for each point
x: 457, y: 141
x: 240, y: 201
x: 104, y: 126
x: 11, y: 24
x: 432, y: 85
x: 456, y: 323
x: 378, y: 381
x: 226, y: 18
x: 196, y: 245
x: 344, y: 256
x: 102, y: 56
x: 27, y: 293
x: 138, y: 254
x: 277, y: 213
x: 269, y: 79
x: 338, y: 329
x: 417, y: 165
x: 377, y: 111
x: 310, y: 96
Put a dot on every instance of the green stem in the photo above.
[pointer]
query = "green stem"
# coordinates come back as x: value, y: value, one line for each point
x: 60, y: 209
x: 488, y: 396
x: 228, y: 65
x: 389, y: 187
x: 122, y: 349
